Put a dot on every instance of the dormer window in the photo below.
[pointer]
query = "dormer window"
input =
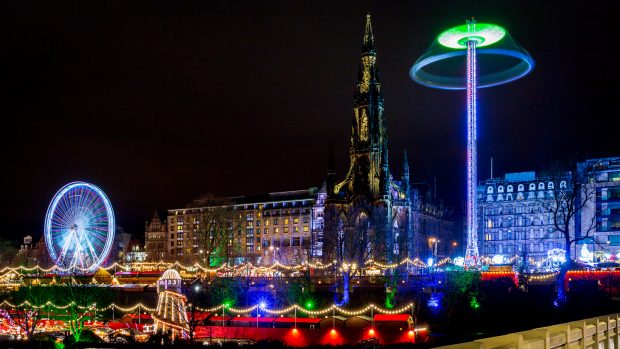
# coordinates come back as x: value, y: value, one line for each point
x: 532, y: 186
x: 541, y: 186
x: 520, y: 187
x: 509, y: 189
x: 563, y: 185
x: 490, y: 190
x: 550, y: 185
x: 500, y: 189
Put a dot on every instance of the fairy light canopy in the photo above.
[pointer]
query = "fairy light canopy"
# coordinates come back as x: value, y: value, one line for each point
x: 500, y: 58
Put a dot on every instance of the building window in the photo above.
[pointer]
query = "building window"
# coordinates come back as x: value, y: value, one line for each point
x: 490, y: 190
x: 520, y: 187
x: 500, y: 189
x: 276, y: 230
x: 306, y: 229
x: 275, y: 221
x: 286, y: 219
x: 509, y: 189
x: 296, y: 229
x: 295, y: 220
x: 266, y: 222
x: 285, y: 230
x: 306, y: 220
x: 266, y: 230
x: 296, y: 242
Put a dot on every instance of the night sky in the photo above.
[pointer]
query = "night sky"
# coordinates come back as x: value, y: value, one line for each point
x: 160, y: 102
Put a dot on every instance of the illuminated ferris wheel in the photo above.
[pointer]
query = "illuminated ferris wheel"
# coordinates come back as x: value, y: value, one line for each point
x: 79, y: 227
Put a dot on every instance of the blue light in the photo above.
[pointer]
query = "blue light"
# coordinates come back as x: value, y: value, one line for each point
x: 435, y: 301
x: 262, y: 305
x: 429, y: 262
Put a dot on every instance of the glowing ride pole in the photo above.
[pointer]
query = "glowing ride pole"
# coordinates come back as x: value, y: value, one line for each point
x: 471, y: 254
x: 451, y: 44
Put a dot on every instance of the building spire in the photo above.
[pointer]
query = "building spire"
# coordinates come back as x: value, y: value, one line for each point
x: 369, y: 39
x: 405, y: 164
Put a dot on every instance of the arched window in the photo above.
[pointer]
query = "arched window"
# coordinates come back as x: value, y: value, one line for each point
x: 520, y: 187
x: 500, y: 189
x: 541, y: 186
x: 490, y: 190
x: 532, y: 186
x: 550, y: 185
x: 509, y: 189
x: 563, y: 185
x: 509, y: 197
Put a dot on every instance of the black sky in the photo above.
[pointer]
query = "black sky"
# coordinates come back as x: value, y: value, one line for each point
x: 159, y: 102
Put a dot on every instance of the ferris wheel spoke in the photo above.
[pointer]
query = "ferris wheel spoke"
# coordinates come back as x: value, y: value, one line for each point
x: 91, y: 249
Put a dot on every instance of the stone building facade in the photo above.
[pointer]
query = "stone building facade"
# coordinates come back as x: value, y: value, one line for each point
x: 276, y: 227
x: 513, y: 221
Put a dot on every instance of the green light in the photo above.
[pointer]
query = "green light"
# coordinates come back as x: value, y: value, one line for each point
x: 309, y: 305
x: 474, y: 304
x: 484, y: 34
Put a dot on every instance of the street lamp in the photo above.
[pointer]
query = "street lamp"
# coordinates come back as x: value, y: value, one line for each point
x: 433, y: 245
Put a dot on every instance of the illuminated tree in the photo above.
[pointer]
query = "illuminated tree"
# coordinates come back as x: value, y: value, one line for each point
x: 83, y: 300
x: 29, y: 304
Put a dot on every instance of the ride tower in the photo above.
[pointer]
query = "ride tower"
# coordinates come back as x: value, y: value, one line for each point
x: 506, y: 61
x: 171, y: 313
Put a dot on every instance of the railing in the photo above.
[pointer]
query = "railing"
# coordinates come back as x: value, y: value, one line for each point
x: 598, y: 332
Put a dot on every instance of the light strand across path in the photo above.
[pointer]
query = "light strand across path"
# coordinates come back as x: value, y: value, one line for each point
x: 290, y: 309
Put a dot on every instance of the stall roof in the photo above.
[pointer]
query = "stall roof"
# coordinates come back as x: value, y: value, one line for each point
x: 300, y: 320
x: 252, y: 319
x: 392, y: 317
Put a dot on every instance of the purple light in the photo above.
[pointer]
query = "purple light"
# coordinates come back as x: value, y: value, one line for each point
x: 471, y: 254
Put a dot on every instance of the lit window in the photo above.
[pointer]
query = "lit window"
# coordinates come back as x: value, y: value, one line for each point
x: 306, y: 229
x: 267, y: 223
x: 295, y: 220
x: 285, y: 230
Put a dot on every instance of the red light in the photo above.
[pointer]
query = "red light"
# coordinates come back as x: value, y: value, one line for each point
x: 410, y: 333
x: 332, y: 332
x: 294, y: 331
x: 371, y: 332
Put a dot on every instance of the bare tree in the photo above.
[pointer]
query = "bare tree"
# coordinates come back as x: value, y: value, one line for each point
x: 570, y: 198
x: 355, y: 246
x: 8, y: 253
x: 218, y: 224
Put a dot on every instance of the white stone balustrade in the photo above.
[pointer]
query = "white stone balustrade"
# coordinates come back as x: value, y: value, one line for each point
x: 594, y: 333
